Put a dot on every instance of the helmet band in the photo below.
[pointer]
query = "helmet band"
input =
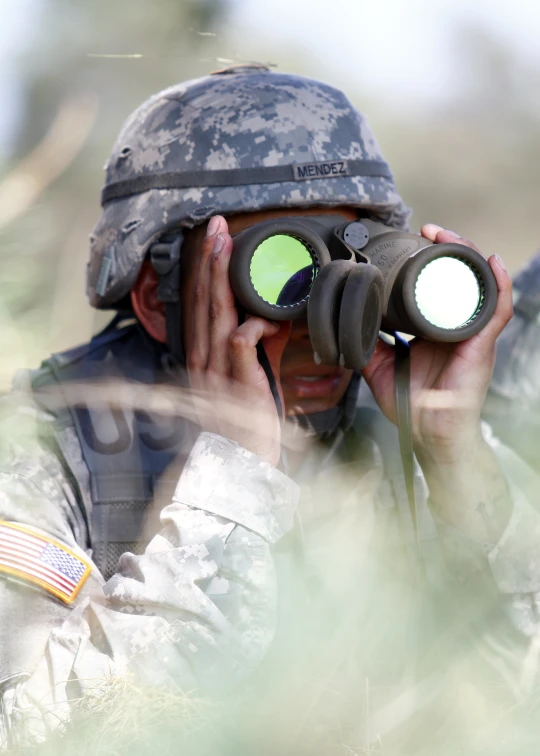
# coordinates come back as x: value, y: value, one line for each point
x: 275, y: 174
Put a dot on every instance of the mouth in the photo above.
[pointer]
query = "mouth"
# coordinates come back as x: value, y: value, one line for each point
x: 311, y: 386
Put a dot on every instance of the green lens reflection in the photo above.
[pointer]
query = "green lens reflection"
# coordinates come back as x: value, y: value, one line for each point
x: 282, y: 270
x: 447, y: 293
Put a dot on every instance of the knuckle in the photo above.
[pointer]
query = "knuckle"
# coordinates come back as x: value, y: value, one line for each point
x: 237, y: 341
x: 467, y: 243
x: 508, y: 311
x: 199, y: 294
x: 215, y: 375
x: 207, y: 245
x: 215, y: 259
x: 215, y: 310
x: 471, y: 245
x: 194, y: 360
x: 505, y: 305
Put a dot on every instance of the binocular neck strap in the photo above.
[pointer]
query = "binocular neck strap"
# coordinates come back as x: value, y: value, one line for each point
x: 265, y: 364
x: 403, y: 412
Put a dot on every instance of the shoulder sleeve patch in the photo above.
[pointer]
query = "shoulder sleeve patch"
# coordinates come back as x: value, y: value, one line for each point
x: 34, y: 558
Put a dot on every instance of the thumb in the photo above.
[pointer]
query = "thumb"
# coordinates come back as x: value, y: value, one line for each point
x: 379, y: 376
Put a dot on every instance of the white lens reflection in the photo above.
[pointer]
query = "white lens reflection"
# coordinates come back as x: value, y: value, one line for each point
x: 447, y: 292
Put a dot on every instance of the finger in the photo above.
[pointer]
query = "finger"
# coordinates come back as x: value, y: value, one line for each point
x: 430, y: 231
x: 216, y: 225
x: 245, y: 366
x: 505, y: 308
x: 379, y: 376
x: 439, y: 235
x: 274, y: 346
x: 383, y: 358
x: 484, y: 342
x: 450, y: 237
x: 199, y: 347
x: 223, y: 315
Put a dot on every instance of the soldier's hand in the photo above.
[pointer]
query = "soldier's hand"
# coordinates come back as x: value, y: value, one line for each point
x: 449, y: 382
x: 221, y: 354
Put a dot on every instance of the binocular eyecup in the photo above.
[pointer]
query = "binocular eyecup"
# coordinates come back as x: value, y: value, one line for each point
x: 355, y: 279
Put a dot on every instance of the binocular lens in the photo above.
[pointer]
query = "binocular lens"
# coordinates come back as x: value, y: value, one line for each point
x: 448, y: 293
x: 282, y: 270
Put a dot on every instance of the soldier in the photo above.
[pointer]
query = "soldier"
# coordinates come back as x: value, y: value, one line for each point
x: 97, y: 582
x: 512, y: 403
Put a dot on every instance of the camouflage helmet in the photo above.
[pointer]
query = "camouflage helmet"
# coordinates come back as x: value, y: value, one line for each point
x: 242, y: 139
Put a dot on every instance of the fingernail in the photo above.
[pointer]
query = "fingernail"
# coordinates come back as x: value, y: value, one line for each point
x: 213, y: 225
x: 218, y: 243
x: 452, y: 234
x: 500, y: 262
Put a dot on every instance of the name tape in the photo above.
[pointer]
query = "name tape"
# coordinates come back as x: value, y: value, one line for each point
x: 320, y: 170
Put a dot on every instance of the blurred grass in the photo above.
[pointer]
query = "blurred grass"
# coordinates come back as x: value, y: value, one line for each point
x: 326, y: 690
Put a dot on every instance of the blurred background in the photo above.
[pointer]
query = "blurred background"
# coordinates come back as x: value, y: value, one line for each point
x: 451, y: 90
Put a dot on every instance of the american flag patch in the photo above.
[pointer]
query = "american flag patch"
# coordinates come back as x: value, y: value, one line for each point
x: 37, y: 559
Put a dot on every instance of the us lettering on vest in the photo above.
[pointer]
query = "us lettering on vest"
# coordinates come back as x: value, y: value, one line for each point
x: 321, y: 170
x: 127, y: 450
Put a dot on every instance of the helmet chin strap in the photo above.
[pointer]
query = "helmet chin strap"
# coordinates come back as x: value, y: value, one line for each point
x: 165, y: 259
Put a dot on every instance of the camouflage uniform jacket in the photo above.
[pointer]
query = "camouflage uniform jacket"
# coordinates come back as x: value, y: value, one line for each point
x: 200, y: 607
x: 513, y: 405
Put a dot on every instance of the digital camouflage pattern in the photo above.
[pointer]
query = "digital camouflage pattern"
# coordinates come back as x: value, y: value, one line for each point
x: 197, y: 610
x: 201, y: 608
x: 513, y: 403
x: 244, y: 117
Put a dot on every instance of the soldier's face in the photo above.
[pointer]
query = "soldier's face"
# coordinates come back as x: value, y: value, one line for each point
x: 307, y: 387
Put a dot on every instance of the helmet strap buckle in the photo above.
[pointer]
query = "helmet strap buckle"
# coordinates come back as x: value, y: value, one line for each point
x: 165, y: 259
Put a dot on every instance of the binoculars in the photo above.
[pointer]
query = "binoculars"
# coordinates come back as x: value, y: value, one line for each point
x: 354, y: 279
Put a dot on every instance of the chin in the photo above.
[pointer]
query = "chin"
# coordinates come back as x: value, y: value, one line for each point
x: 303, y: 406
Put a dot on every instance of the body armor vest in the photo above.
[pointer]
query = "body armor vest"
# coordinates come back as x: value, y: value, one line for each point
x: 126, y: 450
